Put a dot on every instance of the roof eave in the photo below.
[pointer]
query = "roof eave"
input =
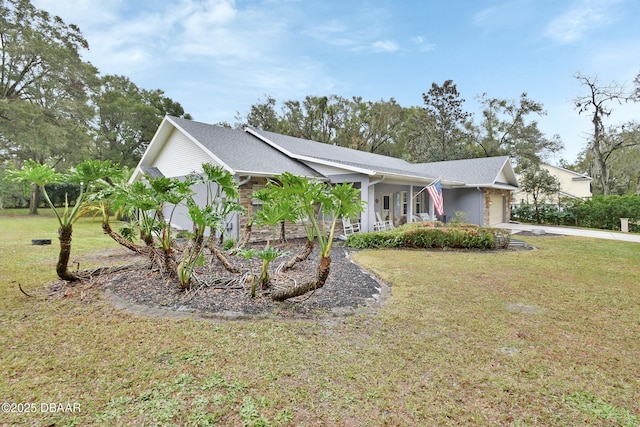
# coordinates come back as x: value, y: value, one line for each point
x: 269, y: 174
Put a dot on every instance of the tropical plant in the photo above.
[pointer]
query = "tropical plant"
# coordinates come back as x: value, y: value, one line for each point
x: 268, y: 254
x: 333, y: 202
x: 88, y: 174
x: 248, y: 254
x: 274, y: 211
x: 295, y: 198
x: 221, y: 192
x: 145, y: 203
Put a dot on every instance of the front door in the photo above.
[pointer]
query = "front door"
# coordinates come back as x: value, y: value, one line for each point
x: 386, y: 207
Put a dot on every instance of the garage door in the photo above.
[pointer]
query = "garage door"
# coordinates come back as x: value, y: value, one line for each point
x: 496, y: 209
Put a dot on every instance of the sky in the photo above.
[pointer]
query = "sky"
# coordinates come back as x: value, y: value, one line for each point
x: 219, y: 57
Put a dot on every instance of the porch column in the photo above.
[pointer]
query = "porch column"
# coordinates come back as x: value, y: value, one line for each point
x: 367, y: 195
x: 432, y: 210
x: 410, y: 205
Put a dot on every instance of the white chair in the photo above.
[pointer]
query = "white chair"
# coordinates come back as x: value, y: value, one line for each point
x: 349, y: 228
x: 381, y: 225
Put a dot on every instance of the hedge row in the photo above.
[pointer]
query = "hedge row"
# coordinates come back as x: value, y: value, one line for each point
x: 599, y: 212
x: 432, y: 235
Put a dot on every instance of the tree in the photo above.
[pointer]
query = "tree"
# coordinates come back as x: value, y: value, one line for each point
x: 126, y: 119
x: 539, y: 183
x: 621, y: 153
x: 597, y: 103
x: 370, y: 126
x: 44, y: 88
x: 87, y: 174
x: 442, y: 133
x: 504, y: 130
x: 221, y: 194
x: 262, y: 115
x: 317, y: 118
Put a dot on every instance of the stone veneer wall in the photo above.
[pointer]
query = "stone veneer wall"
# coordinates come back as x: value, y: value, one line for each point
x: 259, y: 234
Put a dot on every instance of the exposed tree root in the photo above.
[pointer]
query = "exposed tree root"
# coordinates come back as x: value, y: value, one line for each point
x: 122, y: 241
x: 23, y: 291
x: 284, y: 293
x: 223, y: 260
x: 91, y: 273
x: 301, y: 256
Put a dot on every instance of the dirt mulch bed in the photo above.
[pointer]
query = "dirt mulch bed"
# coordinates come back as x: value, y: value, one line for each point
x: 348, y: 289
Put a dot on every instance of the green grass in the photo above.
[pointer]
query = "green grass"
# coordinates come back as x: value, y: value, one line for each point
x: 522, y: 338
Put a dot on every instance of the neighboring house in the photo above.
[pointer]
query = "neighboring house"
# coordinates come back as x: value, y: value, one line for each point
x: 391, y: 187
x: 573, y: 185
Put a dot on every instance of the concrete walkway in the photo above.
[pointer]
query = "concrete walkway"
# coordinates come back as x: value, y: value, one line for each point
x: 582, y: 232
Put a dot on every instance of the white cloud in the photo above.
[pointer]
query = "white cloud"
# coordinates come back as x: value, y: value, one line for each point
x: 87, y: 14
x: 584, y: 16
x: 506, y: 14
x: 422, y: 44
x: 384, y: 46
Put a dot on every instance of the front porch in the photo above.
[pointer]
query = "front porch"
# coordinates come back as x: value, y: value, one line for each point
x: 396, y: 202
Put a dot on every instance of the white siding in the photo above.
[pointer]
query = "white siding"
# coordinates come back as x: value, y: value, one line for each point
x: 179, y: 156
x: 580, y: 188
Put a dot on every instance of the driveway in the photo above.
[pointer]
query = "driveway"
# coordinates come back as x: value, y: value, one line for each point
x: 582, y: 232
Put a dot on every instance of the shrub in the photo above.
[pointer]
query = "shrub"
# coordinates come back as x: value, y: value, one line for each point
x: 429, y: 235
x: 602, y: 212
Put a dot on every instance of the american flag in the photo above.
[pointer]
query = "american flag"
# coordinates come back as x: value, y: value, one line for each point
x: 435, y: 192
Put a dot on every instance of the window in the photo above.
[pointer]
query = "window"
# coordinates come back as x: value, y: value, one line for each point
x: 403, y: 202
x: 256, y: 204
x: 386, y: 202
x: 420, y: 204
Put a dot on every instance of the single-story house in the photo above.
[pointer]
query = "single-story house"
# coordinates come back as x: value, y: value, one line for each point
x: 392, y: 188
x: 573, y: 185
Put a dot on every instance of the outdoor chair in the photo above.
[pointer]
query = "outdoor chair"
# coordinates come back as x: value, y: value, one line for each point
x: 381, y: 225
x: 349, y: 228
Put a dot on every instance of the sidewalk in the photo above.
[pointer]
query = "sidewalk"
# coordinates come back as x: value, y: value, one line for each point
x: 582, y: 232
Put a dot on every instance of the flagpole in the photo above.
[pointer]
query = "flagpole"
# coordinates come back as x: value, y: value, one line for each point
x: 425, y: 187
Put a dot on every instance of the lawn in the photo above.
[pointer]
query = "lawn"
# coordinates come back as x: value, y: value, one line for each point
x: 543, y: 337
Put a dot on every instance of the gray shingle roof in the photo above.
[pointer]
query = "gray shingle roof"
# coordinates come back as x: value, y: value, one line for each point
x: 481, y: 171
x: 342, y: 155
x: 242, y: 152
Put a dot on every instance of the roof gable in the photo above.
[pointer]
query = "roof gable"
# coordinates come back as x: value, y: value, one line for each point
x: 237, y: 151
